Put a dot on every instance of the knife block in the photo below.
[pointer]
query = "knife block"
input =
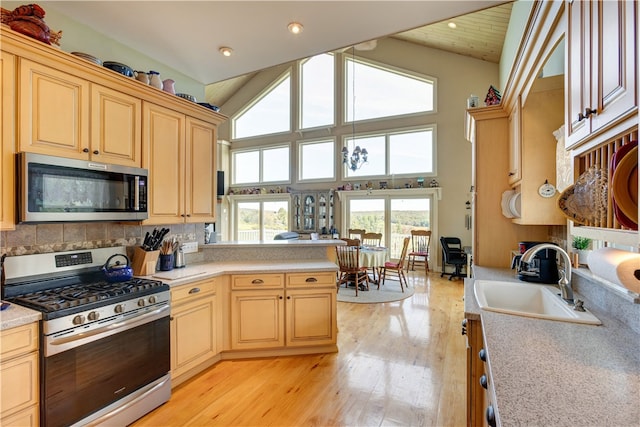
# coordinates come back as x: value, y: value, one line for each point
x: 144, y: 262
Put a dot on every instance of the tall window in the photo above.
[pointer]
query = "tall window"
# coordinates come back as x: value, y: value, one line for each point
x: 263, y: 165
x: 261, y: 220
x: 317, y: 100
x: 316, y: 160
x: 269, y: 113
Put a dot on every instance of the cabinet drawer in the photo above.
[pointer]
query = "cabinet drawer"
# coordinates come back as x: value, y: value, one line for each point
x: 20, y: 340
x: 257, y: 281
x: 311, y: 279
x: 192, y: 291
x: 26, y: 418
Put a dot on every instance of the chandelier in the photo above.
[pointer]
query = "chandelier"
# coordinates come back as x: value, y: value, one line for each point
x: 359, y: 155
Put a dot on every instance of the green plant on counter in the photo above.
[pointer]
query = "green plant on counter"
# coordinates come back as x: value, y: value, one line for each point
x: 581, y: 243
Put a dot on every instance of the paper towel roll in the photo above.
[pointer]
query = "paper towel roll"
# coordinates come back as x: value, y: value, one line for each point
x: 616, y: 266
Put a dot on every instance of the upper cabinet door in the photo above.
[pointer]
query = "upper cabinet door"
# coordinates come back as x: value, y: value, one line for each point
x: 8, y: 141
x: 614, y: 63
x: 116, y: 127
x: 602, y: 67
x: 54, y: 111
x: 201, y: 167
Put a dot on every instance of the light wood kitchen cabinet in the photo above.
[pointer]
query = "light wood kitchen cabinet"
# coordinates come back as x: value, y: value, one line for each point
x: 181, y: 158
x: 116, y: 127
x: 54, y: 111
x: 19, y: 384
x: 602, y: 68
x: 193, y: 326
x: 8, y: 142
x: 67, y: 116
x: 488, y: 131
x: 270, y: 311
x: 311, y: 309
x: 541, y: 114
x: 257, y: 311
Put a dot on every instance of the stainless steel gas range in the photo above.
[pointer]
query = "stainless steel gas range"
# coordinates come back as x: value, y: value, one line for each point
x: 104, y: 347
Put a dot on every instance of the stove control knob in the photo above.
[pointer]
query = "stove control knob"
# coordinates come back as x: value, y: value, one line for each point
x: 152, y: 299
x: 119, y: 308
x: 78, y: 320
x: 94, y: 315
x: 141, y: 302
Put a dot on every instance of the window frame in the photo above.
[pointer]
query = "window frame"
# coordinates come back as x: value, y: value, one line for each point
x: 387, y: 133
x: 300, y: 97
x: 300, y: 165
x: 260, y: 150
x: 256, y: 198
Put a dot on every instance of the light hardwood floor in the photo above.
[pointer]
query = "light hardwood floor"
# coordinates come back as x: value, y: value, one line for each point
x: 399, y: 364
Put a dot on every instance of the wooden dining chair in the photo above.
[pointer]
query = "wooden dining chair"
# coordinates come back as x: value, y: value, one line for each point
x: 349, y: 267
x: 351, y: 242
x: 371, y: 239
x: 419, y: 253
x: 396, y: 268
x: 356, y: 233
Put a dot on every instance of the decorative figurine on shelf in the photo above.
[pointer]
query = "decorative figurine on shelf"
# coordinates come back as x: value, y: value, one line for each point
x: 434, y: 183
x: 493, y: 96
x: 29, y: 20
x: 420, y: 181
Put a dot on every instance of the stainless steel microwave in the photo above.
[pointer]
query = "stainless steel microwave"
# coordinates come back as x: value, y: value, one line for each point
x: 57, y: 189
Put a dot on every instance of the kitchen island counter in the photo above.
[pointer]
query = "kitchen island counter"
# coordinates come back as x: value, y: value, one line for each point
x: 553, y: 373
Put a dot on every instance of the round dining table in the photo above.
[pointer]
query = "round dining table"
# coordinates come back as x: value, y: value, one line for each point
x: 374, y: 258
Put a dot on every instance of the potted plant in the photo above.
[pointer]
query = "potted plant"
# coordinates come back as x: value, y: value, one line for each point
x: 581, y: 246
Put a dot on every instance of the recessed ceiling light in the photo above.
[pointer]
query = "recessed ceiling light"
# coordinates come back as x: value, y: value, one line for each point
x: 295, y: 27
x: 452, y: 25
x: 226, y: 51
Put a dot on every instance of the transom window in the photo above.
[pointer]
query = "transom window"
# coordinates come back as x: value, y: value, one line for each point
x: 262, y: 165
x: 407, y: 152
x: 316, y: 160
x: 373, y: 91
x: 269, y: 113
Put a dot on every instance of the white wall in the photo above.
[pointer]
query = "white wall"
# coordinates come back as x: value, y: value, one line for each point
x: 458, y: 77
x: 77, y: 37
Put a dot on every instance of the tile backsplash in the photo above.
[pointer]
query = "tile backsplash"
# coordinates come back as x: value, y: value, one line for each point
x: 29, y: 239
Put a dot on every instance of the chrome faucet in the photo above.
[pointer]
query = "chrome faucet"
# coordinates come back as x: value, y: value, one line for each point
x: 565, y: 275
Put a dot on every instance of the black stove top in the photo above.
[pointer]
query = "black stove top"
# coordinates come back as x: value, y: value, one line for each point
x: 85, y: 296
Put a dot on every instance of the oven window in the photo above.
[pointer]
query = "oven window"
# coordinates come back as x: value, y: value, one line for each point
x: 85, y: 379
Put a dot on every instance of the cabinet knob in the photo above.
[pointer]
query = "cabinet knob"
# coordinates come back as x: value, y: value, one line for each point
x: 85, y: 150
x: 491, y: 416
x: 280, y: 297
x: 483, y: 381
x: 587, y: 113
x: 464, y: 327
x: 288, y: 296
x: 482, y: 354
x: 96, y: 152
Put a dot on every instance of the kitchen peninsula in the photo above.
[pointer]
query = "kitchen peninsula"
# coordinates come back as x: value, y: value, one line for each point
x: 251, y: 299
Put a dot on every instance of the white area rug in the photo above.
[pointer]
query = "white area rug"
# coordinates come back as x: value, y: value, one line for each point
x: 388, y: 292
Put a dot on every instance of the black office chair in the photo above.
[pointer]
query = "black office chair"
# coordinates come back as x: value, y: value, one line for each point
x: 453, y: 254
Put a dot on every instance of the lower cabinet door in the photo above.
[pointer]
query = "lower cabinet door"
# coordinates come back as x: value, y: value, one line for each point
x: 193, y: 334
x: 257, y: 319
x: 311, y: 316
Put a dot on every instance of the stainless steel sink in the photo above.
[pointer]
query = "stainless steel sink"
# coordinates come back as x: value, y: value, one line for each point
x: 529, y: 300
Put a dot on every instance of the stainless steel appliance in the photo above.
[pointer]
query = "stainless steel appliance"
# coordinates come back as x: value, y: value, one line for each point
x: 543, y: 268
x: 59, y: 189
x: 104, y: 346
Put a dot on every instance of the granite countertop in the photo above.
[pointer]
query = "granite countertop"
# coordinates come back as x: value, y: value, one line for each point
x: 16, y: 315
x: 554, y: 373
x: 194, y: 272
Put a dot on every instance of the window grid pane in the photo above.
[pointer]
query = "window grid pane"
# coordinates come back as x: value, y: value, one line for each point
x: 246, y: 167
x: 317, y: 160
x: 317, y: 91
x: 275, y: 164
x: 411, y: 152
x: 270, y: 114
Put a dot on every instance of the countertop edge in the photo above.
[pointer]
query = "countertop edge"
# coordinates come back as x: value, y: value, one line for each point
x: 16, y: 315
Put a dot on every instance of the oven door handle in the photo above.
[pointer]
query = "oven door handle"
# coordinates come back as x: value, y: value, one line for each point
x: 113, y: 327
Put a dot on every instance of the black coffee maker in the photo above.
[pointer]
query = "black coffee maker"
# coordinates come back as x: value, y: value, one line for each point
x: 543, y: 268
